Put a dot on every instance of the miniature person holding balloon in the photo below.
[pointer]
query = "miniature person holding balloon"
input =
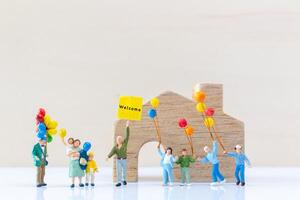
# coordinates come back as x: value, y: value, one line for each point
x: 120, y: 150
x: 167, y: 163
x: 184, y: 161
x: 39, y: 154
x: 240, y: 160
x: 74, y: 167
x: 211, y: 156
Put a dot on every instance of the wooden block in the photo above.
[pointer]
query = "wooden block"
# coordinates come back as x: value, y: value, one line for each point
x: 173, y: 107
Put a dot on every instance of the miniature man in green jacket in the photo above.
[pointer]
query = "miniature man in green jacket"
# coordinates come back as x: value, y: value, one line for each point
x: 120, y: 150
x: 184, y: 161
x: 39, y: 154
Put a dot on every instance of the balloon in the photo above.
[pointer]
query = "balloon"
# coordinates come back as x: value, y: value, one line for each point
x: 41, y: 135
x: 209, y: 112
x: 209, y: 122
x: 152, y: 113
x: 42, y: 127
x: 49, y: 138
x: 182, y: 123
x: 51, y: 131
x: 52, y: 125
x: 200, y: 107
x: 42, y: 112
x: 197, y: 87
x: 189, y: 131
x: 199, y: 96
x: 154, y: 102
x: 47, y: 120
x: 39, y: 118
x: 62, y: 133
x: 87, y: 146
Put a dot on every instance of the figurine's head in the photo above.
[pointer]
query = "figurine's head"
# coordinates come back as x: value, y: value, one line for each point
x: 238, y: 148
x: 169, y: 151
x: 206, y: 149
x: 76, y: 143
x: 91, y: 155
x: 42, y: 141
x: 184, y: 152
x: 71, y: 141
x: 119, y: 140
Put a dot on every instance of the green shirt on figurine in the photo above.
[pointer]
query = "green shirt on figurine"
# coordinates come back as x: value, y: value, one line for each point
x: 120, y: 152
x: 185, y: 161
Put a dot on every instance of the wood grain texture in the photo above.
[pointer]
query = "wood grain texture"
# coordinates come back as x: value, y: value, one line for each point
x: 173, y: 107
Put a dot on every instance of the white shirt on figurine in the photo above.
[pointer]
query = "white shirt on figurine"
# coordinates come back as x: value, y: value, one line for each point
x: 167, y: 159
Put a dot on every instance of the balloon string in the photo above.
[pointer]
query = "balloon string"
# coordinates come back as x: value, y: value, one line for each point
x: 211, y: 136
x: 190, y: 141
x: 158, y: 126
x: 157, y: 130
x: 218, y: 138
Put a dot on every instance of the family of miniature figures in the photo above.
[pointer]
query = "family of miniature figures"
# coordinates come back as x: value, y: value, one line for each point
x: 83, y: 164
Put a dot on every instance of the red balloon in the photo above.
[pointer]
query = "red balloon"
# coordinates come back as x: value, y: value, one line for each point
x: 182, y: 123
x: 42, y: 112
x: 39, y: 118
x: 209, y: 112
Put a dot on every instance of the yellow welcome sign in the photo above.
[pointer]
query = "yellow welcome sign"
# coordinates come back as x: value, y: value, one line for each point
x: 130, y: 108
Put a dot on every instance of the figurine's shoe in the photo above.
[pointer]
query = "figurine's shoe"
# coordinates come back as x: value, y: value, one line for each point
x: 92, y: 184
x: 39, y: 185
x: 243, y: 184
x: 238, y: 182
x: 124, y: 183
x: 72, y: 186
x: 86, y: 184
x: 181, y: 184
x: 214, y: 184
x: 188, y: 184
x: 118, y: 184
x: 171, y: 184
x: 164, y: 185
x: 44, y: 184
x: 81, y: 185
x: 222, y: 182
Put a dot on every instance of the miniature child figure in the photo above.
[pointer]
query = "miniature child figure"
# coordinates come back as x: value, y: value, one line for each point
x: 211, y: 156
x: 91, y: 169
x: 39, y: 154
x: 120, y: 150
x: 240, y: 159
x: 184, y: 161
x: 167, y: 160
x: 74, y: 167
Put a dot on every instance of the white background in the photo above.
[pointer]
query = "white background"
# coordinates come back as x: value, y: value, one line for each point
x: 76, y: 57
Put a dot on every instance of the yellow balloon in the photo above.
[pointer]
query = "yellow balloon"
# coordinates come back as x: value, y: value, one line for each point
x: 47, y: 120
x: 154, y: 102
x: 52, y: 125
x: 201, y: 107
x: 209, y: 122
x: 62, y: 133
x: 51, y: 131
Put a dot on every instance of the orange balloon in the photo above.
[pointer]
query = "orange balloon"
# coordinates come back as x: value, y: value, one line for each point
x: 189, y: 131
x: 199, y: 96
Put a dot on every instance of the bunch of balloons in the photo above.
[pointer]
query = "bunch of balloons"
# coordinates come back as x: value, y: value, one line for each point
x: 188, y: 130
x: 207, y: 113
x: 83, y: 158
x: 46, y: 127
x: 152, y: 113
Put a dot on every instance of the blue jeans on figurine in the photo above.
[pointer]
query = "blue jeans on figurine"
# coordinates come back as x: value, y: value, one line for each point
x: 240, y: 173
x: 168, y: 176
x: 216, y: 174
x: 121, y: 170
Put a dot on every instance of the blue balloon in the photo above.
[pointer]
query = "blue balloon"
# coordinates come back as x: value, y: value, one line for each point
x: 41, y: 135
x: 152, y: 113
x: 87, y: 146
x: 42, y: 127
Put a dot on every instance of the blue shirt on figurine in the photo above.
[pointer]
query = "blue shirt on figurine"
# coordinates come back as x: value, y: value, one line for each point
x: 240, y: 158
x: 212, y: 155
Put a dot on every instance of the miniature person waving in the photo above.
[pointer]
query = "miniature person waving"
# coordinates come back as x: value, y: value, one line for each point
x: 39, y: 154
x: 211, y: 156
x: 120, y: 150
x: 184, y: 161
x: 240, y: 159
x: 166, y: 162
